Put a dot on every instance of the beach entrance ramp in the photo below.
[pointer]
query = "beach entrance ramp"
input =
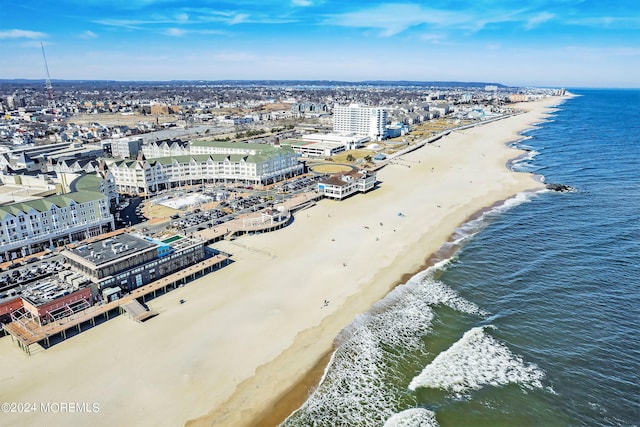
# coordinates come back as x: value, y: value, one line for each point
x: 137, y: 311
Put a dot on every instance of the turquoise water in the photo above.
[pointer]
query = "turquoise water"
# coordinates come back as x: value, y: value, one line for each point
x: 535, y: 320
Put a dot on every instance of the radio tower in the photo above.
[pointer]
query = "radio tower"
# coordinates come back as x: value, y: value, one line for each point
x: 51, y: 102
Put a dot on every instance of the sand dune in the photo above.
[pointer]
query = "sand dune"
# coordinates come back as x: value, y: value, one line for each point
x: 250, y: 331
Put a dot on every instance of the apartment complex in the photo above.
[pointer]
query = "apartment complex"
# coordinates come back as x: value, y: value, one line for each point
x: 365, y: 121
x: 32, y: 226
x: 209, y: 162
x: 166, y: 148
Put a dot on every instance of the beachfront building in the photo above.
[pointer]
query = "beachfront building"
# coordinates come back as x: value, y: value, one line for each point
x: 48, y: 300
x: 128, y: 261
x: 166, y: 148
x: 35, y: 225
x: 519, y: 97
x: 208, y: 162
x: 341, y: 186
x: 365, y: 121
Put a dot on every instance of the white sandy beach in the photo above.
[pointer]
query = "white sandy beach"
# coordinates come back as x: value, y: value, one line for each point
x: 248, y: 333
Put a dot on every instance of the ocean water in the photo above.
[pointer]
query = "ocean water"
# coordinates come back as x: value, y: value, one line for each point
x: 535, y: 320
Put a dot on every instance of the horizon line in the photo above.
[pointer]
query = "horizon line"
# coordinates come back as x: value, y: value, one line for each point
x: 379, y: 81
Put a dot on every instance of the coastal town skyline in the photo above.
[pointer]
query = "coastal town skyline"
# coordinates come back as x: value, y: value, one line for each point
x: 569, y: 43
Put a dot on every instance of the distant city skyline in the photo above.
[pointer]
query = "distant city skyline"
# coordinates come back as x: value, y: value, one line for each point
x: 558, y: 43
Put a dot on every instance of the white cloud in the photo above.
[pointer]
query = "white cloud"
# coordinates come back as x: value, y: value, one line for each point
x: 239, y: 19
x: 175, y: 32
x: 302, y: 3
x: 22, y: 34
x: 393, y: 19
x: 182, y: 17
x: 606, y: 21
x: 88, y: 35
x: 123, y: 4
x: 435, y: 38
x: 538, y: 19
x: 121, y: 23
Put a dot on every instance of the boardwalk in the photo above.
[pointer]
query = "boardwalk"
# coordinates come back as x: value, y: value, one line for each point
x: 238, y: 226
x: 30, y: 332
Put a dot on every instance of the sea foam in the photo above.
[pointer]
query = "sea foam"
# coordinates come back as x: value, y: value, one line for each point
x: 358, y: 385
x: 414, y: 417
x: 477, y: 360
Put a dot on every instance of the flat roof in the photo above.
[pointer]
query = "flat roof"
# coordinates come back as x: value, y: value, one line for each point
x: 51, y: 288
x: 112, y: 248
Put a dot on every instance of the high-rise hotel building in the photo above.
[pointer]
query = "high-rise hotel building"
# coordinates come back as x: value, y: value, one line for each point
x: 365, y: 121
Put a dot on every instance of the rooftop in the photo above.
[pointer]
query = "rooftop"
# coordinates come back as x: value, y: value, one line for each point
x: 112, y: 248
x: 45, y: 204
x: 52, y: 288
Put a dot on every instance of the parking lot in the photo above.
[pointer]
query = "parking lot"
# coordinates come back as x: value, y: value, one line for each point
x: 218, y: 203
x: 210, y: 218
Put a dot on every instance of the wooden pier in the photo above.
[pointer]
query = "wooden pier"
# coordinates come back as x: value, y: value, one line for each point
x: 29, y: 332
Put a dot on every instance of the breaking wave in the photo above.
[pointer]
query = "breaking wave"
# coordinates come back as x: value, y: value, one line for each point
x: 414, y: 417
x: 474, y: 361
x: 360, y: 386
x: 472, y: 227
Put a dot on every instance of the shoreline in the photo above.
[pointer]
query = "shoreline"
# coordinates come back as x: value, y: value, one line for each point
x: 297, y: 395
x: 280, y: 408
x: 251, y: 333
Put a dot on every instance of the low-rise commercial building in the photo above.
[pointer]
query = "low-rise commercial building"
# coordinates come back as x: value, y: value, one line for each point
x: 341, y: 186
x: 129, y: 261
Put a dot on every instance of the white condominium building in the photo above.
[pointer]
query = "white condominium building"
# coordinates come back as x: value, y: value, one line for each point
x: 208, y: 162
x: 165, y: 148
x: 354, y: 119
x: 218, y: 147
x: 32, y: 226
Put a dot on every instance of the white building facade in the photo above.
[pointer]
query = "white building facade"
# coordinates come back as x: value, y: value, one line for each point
x: 341, y: 186
x: 208, y: 162
x: 125, y: 148
x: 35, y: 225
x: 165, y: 148
x: 364, y: 121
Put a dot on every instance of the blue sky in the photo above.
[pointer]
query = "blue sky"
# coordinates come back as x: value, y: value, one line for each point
x: 571, y: 43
